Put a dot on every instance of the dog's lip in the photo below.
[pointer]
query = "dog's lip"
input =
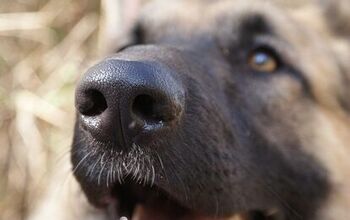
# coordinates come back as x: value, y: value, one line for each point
x: 145, y: 213
x: 168, y: 209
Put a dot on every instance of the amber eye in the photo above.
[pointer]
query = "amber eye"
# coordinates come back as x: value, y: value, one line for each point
x: 263, y: 60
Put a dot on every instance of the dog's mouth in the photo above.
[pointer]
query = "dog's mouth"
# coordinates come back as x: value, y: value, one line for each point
x: 130, y: 201
x: 136, y: 202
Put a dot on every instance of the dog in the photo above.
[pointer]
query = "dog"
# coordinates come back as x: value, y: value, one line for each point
x: 220, y: 110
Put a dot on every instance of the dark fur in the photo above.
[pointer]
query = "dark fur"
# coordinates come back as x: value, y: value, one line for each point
x: 243, y: 142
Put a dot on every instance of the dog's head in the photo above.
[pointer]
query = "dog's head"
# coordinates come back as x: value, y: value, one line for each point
x: 222, y: 108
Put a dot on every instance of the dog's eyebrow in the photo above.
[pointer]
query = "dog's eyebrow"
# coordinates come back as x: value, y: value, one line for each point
x: 255, y: 24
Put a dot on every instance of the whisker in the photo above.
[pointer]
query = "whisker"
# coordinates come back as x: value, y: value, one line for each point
x: 80, y: 162
x: 153, y: 175
x: 101, y: 170
x: 184, y: 188
x: 92, y: 168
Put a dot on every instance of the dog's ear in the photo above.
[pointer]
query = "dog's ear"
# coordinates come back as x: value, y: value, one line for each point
x: 118, y: 18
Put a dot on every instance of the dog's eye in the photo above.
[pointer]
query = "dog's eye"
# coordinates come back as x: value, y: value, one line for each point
x: 263, y: 60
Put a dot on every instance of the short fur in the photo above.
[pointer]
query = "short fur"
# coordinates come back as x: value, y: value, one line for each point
x: 248, y: 140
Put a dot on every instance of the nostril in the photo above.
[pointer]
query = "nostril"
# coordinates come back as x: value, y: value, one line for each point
x: 92, y: 103
x: 144, y: 108
x: 147, y: 109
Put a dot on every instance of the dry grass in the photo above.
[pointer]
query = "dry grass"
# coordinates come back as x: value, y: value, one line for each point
x: 44, y: 47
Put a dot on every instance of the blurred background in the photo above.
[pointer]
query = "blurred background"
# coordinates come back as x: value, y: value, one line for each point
x: 45, y: 46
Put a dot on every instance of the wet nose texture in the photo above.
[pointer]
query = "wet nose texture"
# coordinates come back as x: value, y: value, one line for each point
x: 121, y: 101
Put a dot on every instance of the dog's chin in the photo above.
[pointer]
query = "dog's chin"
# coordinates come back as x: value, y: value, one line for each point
x: 127, y: 198
x: 133, y: 201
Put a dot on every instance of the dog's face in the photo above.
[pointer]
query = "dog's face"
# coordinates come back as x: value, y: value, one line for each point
x: 219, y: 109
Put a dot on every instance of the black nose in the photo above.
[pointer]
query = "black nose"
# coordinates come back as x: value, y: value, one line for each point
x: 123, y: 101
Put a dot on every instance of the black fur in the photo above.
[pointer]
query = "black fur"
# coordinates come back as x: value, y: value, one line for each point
x: 236, y: 146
